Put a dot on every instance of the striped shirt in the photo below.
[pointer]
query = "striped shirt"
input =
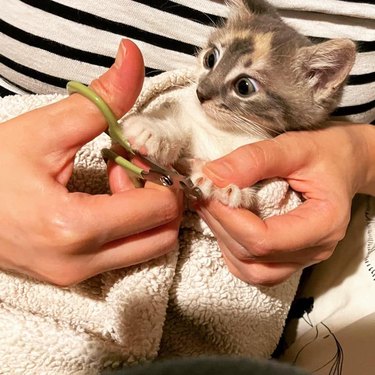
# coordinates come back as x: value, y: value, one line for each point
x: 44, y: 44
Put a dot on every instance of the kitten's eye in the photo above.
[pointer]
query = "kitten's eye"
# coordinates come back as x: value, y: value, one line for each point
x: 211, y: 58
x: 245, y: 86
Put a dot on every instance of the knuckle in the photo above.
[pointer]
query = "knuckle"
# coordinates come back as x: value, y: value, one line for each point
x: 62, y: 274
x: 171, y: 210
x: 265, y: 280
x: 321, y: 257
x: 169, y: 241
x: 63, y: 281
x: 62, y: 233
x: 263, y: 275
x: 62, y: 238
x: 341, y: 232
x: 258, y: 280
x: 260, y: 250
x: 324, y: 254
x: 338, y: 233
x: 338, y: 213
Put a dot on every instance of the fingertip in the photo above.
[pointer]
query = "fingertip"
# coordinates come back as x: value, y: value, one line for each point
x: 130, y: 69
x: 121, y: 84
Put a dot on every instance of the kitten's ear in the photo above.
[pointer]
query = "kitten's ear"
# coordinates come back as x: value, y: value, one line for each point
x: 326, y: 66
x: 252, y: 7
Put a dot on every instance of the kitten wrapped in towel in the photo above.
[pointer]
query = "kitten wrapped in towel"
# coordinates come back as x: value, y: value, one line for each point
x: 257, y: 77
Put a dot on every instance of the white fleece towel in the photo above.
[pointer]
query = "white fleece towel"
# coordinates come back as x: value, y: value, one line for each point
x: 183, y: 303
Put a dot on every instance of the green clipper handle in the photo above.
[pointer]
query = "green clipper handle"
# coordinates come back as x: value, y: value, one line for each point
x: 114, y: 128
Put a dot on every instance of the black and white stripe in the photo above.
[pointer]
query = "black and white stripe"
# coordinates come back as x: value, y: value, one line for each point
x: 46, y: 43
x: 87, y: 40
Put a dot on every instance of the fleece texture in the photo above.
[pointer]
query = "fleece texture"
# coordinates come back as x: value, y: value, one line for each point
x: 185, y: 303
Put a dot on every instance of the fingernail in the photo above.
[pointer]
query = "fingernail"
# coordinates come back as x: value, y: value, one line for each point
x: 120, y: 56
x: 219, y: 171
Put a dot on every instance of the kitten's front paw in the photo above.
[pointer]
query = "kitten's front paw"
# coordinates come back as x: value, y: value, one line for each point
x: 231, y: 195
x: 235, y: 197
x: 144, y: 137
x: 205, y: 185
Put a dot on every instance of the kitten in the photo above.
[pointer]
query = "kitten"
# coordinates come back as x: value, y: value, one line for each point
x: 257, y: 78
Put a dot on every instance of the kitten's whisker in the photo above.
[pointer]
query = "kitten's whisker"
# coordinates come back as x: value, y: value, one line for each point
x: 253, y: 128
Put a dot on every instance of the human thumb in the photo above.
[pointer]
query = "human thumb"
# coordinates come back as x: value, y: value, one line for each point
x: 121, y: 84
x: 119, y: 87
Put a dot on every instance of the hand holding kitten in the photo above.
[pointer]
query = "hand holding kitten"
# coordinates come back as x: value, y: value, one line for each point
x: 62, y: 237
x: 326, y: 166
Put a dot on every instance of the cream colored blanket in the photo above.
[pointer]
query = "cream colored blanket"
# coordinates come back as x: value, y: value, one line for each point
x: 184, y: 303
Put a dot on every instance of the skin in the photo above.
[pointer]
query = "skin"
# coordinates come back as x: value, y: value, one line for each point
x: 327, y: 166
x: 62, y: 237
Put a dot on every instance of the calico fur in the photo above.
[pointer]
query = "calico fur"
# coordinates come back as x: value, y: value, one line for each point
x: 256, y: 78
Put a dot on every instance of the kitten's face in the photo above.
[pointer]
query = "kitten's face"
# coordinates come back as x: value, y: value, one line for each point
x: 259, y: 75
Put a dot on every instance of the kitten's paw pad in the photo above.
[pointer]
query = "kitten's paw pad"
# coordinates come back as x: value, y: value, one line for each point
x: 233, y: 196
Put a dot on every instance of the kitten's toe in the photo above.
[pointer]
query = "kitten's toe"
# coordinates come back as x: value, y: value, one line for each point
x: 233, y: 196
x: 230, y: 195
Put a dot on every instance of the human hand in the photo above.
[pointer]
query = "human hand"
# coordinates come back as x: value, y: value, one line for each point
x: 327, y: 166
x: 62, y: 237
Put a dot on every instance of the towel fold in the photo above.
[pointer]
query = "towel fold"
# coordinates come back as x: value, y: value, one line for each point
x: 183, y: 303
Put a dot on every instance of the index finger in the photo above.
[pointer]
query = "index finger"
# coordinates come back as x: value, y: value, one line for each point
x: 110, y: 217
